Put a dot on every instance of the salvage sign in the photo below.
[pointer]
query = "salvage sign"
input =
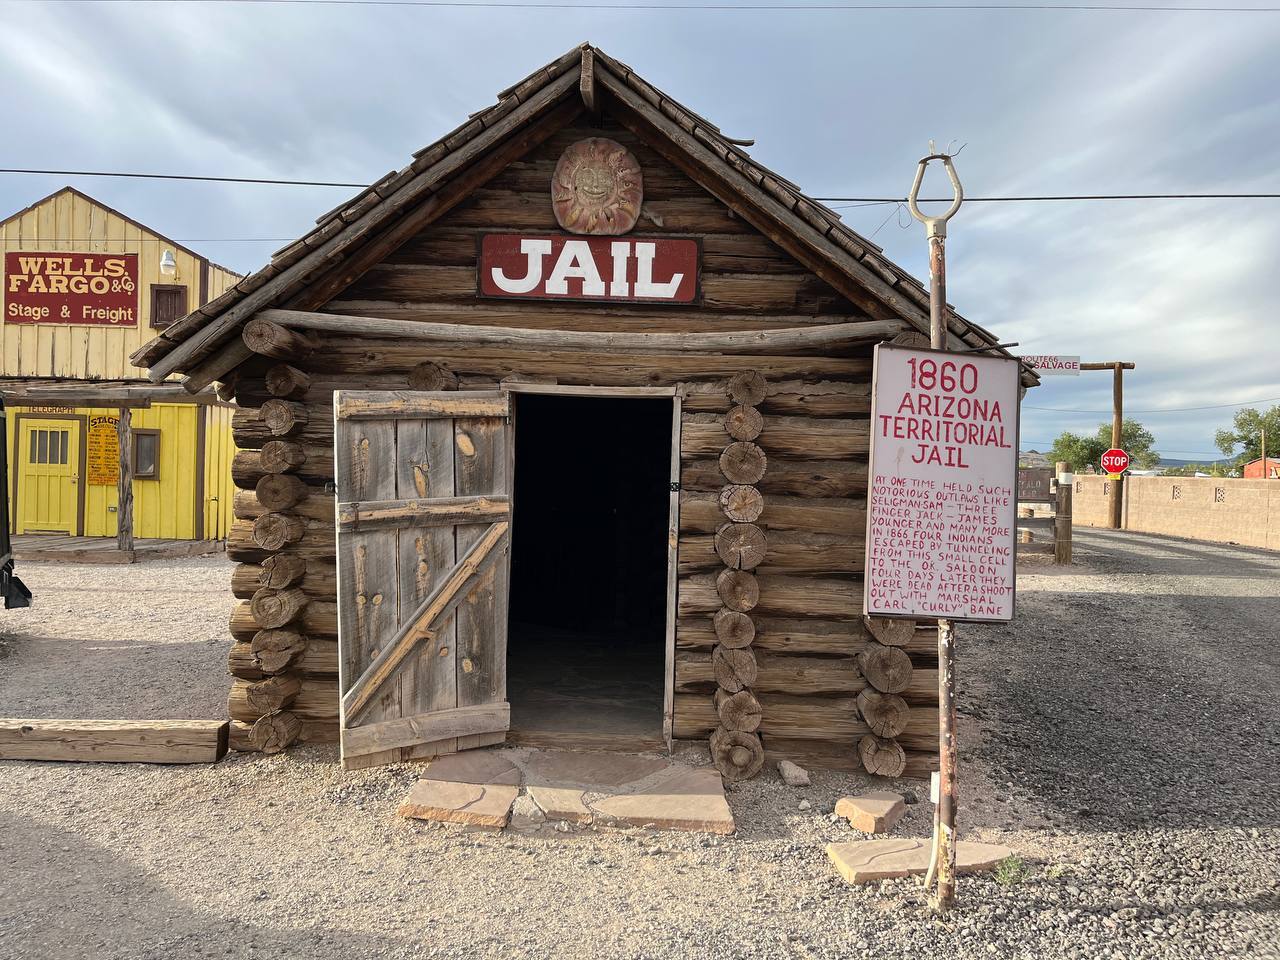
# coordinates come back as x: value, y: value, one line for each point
x: 557, y: 267
x: 942, y: 505
x: 71, y: 288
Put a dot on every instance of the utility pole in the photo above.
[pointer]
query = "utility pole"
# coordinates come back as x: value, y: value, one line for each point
x: 1116, y: 498
x: 944, y: 822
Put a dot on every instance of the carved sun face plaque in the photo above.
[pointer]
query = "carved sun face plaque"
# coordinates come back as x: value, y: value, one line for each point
x: 597, y: 188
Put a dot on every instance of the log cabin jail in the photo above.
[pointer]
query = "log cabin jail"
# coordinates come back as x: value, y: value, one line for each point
x: 586, y: 388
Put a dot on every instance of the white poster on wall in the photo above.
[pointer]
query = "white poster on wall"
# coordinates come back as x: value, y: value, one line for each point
x: 942, y: 485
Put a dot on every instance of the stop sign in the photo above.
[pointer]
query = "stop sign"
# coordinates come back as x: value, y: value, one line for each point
x: 1115, y: 460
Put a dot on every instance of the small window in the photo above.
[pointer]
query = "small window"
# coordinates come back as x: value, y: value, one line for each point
x: 1177, y: 492
x: 146, y: 454
x: 1219, y: 494
x: 49, y: 446
x: 168, y: 303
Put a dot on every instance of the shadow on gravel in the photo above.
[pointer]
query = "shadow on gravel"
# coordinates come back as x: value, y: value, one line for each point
x: 1122, y: 710
x: 1169, y: 555
x: 51, y: 677
x: 63, y: 897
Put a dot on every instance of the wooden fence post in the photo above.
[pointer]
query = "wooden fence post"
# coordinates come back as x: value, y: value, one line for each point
x: 1062, y: 517
x: 124, y: 491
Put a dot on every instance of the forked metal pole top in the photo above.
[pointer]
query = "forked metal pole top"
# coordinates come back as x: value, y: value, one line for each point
x: 935, y: 226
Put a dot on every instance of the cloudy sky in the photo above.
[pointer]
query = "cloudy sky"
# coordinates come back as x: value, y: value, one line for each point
x: 841, y: 102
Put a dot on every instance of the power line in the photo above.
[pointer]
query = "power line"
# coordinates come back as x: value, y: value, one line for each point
x: 868, y: 201
x: 738, y: 7
x: 183, y: 176
x: 1035, y: 199
x: 1213, y: 406
x: 185, y: 240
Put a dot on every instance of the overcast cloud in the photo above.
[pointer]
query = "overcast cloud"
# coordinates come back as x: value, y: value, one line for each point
x: 841, y: 103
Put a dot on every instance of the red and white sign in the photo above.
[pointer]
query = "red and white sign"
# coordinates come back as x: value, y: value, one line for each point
x: 1115, y: 461
x: 555, y: 267
x: 942, y: 503
x: 100, y: 289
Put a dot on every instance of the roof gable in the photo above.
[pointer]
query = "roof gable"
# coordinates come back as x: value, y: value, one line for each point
x: 352, y: 237
x: 116, y: 213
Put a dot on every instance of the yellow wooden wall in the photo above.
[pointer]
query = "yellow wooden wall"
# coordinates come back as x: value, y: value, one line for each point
x: 219, y: 491
x: 69, y: 221
x: 166, y: 506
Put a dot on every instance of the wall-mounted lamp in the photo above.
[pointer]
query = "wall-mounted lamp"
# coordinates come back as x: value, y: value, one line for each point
x: 168, y: 263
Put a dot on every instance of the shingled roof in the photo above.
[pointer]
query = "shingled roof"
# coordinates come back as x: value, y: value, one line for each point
x: 206, y: 343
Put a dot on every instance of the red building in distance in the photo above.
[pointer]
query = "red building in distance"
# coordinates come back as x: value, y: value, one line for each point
x: 1258, y: 470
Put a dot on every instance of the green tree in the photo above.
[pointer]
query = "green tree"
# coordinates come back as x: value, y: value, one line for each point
x: 1191, y: 469
x: 1080, y: 450
x: 1246, y: 433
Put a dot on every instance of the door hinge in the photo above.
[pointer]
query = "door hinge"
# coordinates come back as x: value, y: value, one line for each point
x: 675, y: 486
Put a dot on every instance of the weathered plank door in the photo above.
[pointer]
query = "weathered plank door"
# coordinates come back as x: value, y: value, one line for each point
x: 424, y: 510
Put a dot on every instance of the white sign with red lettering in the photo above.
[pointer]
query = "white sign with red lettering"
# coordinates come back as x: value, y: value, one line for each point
x: 942, y: 485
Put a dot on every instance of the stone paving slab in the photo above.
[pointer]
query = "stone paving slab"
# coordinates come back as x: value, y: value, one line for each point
x: 480, y: 787
x: 561, y: 803
x: 864, y: 861
x: 478, y: 805
x: 475, y: 766
x: 602, y: 771
x: 874, y: 812
x: 691, y: 799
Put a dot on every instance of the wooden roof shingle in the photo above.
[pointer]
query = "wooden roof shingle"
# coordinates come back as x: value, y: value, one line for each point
x: 206, y: 344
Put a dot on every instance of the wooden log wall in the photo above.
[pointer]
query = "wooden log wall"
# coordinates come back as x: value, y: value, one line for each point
x: 741, y: 546
x: 773, y: 475
x: 284, y: 660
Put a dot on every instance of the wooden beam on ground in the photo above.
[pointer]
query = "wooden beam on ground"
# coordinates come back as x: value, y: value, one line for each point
x: 116, y: 741
x: 737, y: 341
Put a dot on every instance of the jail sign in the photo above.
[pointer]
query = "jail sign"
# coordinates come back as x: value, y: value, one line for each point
x: 943, y: 485
x: 97, y: 289
x: 554, y: 267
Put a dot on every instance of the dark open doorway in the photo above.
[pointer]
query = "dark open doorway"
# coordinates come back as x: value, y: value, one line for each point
x: 586, y: 646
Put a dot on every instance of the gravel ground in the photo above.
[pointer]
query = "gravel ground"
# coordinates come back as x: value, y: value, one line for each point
x: 1133, y: 771
x: 119, y: 641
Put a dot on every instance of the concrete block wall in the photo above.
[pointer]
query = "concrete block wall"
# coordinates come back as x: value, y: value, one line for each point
x: 1223, y: 510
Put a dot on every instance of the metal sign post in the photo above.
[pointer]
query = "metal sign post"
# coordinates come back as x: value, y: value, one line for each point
x: 944, y: 833
x: 1116, y: 495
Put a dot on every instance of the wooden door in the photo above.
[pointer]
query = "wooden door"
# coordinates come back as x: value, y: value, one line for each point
x: 48, y: 476
x: 424, y: 511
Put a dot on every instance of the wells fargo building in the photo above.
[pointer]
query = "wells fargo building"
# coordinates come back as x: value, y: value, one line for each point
x: 83, y: 287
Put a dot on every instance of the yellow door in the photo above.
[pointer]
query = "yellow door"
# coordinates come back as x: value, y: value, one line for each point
x: 49, y: 476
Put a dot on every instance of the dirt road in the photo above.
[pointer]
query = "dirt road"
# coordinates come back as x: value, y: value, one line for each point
x: 1121, y: 736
